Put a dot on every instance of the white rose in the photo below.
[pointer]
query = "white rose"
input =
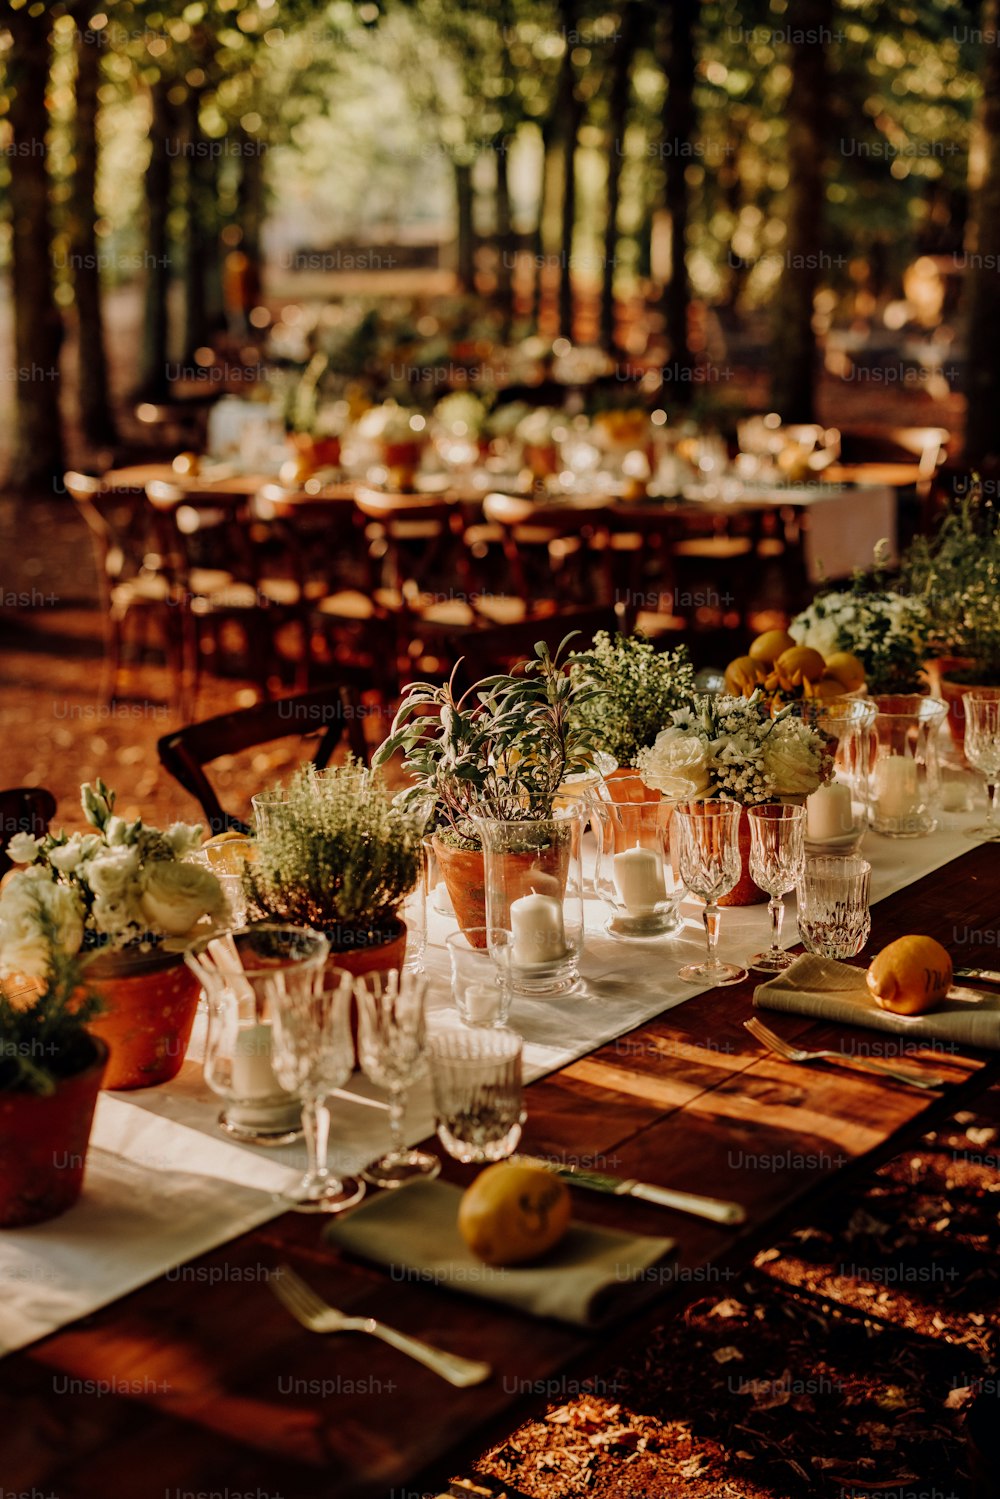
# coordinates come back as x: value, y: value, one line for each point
x: 183, y: 837
x: 27, y: 907
x: 791, y: 764
x: 23, y: 849
x: 113, y: 877
x: 176, y: 895
x: 67, y: 857
x: 677, y: 764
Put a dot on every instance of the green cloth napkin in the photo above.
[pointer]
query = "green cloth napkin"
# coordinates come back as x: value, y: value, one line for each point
x: 584, y: 1280
x: 828, y: 990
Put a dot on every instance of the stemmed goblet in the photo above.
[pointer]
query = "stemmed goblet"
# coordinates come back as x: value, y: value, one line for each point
x: 392, y: 1044
x: 982, y: 750
x: 708, y: 850
x: 777, y: 859
x: 312, y: 1053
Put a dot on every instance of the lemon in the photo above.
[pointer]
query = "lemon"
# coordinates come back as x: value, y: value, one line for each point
x: 743, y: 675
x: 910, y: 976
x: 226, y: 837
x: 769, y: 646
x: 846, y: 669
x: 513, y: 1213
x: 827, y: 687
x: 799, y: 664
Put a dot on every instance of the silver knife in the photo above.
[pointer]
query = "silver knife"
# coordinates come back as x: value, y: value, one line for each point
x: 988, y: 975
x: 665, y: 1197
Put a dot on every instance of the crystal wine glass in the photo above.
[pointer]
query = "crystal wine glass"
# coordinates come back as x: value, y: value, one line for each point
x: 777, y: 859
x: 392, y: 1043
x: 709, y: 858
x: 312, y: 1054
x: 982, y: 750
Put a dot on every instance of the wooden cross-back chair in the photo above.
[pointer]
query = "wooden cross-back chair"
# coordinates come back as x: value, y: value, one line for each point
x: 23, y: 809
x: 334, y: 712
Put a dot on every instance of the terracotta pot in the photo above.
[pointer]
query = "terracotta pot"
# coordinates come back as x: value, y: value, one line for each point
x: 150, y: 1001
x: 43, y: 1145
x: 464, y: 872
x: 744, y: 892
x: 404, y: 455
x: 952, y: 692
x: 542, y: 459
x: 374, y: 950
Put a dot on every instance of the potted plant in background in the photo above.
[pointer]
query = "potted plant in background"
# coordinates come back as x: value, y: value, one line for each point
x: 731, y: 748
x: 956, y: 575
x: 50, y: 1074
x: 126, y: 899
x: 626, y: 691
x: 341, y: 857
x: 885, y: 630
x: 502, y: 751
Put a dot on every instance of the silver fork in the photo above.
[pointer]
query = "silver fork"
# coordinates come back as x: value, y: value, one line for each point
x: 790, y: 1053
x: 318, y: 1316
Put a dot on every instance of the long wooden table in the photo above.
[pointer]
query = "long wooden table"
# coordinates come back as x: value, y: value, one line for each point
x: 201, y: 1381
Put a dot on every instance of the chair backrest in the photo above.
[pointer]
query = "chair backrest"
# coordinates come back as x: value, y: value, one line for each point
x: 125, y: 532
x: 23, y: 809
x: 334, y: 711
x: 497, y: 648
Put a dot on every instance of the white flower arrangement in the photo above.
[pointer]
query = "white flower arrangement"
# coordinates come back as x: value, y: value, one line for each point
x: 460, y: 414
x: 886, y: 631
x: 731, y: 747
x: 538, y: 429
x: 124, y: 885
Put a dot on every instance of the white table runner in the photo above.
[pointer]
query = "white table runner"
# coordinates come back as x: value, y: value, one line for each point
x: 164, y: 1186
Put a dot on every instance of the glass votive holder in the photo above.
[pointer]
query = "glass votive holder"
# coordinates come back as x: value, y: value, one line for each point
x: 833, y: 905
x: 534, y: 893
x: 634, y: 875
x: 478, y: 1101
x: 267, y: 809
x: 438, y: 898
x: 239, y: 972
x: 904, y: 779
x: 480, y: 975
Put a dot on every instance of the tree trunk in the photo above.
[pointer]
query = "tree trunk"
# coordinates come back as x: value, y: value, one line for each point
x: 618, y: 102
x: 465, y: 261
x: 95, y: 405
x: 250, y: 207
x: 538, y: 237
x: 570, y: 110
x: 505, y: 243
x: 982, y: 380
x: 196, y: 248
x: 794, y: 341
x: 678, y: 136
x: 37, y: 461
x: 153, y: 383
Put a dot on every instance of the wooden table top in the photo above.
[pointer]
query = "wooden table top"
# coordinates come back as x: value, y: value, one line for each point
x: 202, y: 1381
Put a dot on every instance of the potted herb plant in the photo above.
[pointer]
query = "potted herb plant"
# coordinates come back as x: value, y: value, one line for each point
x: 732, y: 748
x: 50, y: 1074
x: 956, y: 575
x: 631, y: 688
x: 502, y: 750
x: 341, y: 858
x: 124, y: 897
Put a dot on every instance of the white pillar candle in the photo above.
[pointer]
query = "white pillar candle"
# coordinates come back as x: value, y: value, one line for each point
x: 536, y: 923
x: 828, y: 812
x: 897, y: 788
x: 253, y: 1075
x: 640, y: 882
x: 482, y: 1003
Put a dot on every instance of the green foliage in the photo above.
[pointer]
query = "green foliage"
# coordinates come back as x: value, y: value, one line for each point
x: 956, y: 573
x: 341, y: 852
x: 502, y: 750
x: 45, y: 1040
x: 631, y: 691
